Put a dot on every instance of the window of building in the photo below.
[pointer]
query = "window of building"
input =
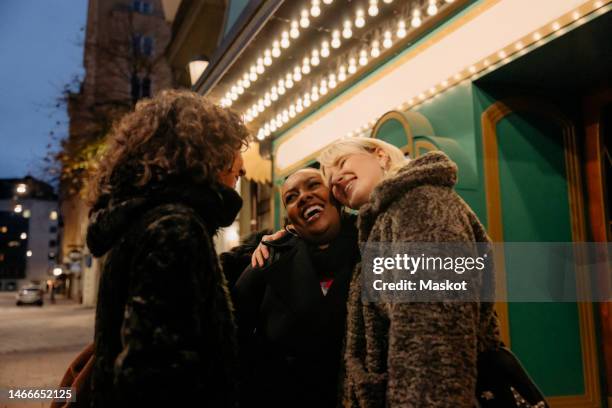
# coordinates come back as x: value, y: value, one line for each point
x: 143, y: 7
x: 141, y: 88
x: 52, y: 243
x: 147, y: 45
x: 53, y: 229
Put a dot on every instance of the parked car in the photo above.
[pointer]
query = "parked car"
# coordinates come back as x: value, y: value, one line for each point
x: 31, y: 295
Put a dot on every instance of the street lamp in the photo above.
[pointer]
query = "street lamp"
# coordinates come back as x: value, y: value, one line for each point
x: 57, y: 271
x: 21, y: 188
x: 197, y: 66
x: 18, y: 209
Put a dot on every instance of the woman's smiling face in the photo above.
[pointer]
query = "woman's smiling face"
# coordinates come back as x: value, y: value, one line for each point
x: 354, y: 177
x: 307, y: 200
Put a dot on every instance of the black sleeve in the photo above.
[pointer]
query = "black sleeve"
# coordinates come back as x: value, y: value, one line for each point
x: 160, y: 363
x: 247, y: 295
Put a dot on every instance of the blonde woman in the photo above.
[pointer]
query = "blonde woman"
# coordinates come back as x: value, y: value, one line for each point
x: 407, y: 354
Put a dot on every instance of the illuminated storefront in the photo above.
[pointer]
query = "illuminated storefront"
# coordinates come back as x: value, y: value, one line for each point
x: 515, y: 91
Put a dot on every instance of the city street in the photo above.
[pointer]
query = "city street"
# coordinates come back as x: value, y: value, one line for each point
x: 38, y: 343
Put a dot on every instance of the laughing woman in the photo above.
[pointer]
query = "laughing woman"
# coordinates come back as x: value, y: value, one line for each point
x: 291, y: 312
x: 407, y: 354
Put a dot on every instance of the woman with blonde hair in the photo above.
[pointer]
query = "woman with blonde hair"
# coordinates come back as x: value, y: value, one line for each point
x: 165, y: 333
x: 414, y: 354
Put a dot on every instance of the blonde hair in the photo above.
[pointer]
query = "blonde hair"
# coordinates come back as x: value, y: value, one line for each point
x: 332, y: 154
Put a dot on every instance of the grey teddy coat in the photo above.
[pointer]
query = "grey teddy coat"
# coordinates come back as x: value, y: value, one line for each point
x: 416, y: 354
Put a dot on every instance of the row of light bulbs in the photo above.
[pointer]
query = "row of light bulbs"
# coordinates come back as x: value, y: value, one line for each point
x: 330, y: 81
x: 473, y: 71
x: 266, y: 59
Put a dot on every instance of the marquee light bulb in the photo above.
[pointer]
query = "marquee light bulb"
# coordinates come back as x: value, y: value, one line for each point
x: 315, y: 10
x: 375, y: 53
x: 363, y: 58
x: 295, y: 31
x: 304, y: 21
x: 432, y: 9
x: 373, y: 8
x: 401, y: 29
x: 335, y: 43
x: 325, y: 49
x: 314, y: 60
x: 347, y: 32
x: 416, y: 18
x: 387, y: 42
x: 352, y: 66
x: 285, y: 40
x: 359, y: 19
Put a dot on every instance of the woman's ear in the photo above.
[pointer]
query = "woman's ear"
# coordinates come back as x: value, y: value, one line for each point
x: 383, y: 158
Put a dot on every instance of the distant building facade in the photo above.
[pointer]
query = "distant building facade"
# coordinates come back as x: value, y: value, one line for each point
x: 29, y: 232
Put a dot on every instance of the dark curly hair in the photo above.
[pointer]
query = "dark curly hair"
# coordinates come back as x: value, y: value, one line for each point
x: 176, y: 133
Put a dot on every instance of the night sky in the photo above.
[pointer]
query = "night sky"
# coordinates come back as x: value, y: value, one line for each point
x: 40, y: 51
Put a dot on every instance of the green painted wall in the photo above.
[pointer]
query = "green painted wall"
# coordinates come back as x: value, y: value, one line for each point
x: 535, y: 208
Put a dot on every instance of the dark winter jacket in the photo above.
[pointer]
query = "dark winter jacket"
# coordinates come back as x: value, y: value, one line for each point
x: 416, y: 354
x: 165, y: 334
x: 290, y: 333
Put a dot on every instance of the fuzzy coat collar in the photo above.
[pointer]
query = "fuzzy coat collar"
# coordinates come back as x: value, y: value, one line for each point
x: 110, y: 218
x: 433, y: 168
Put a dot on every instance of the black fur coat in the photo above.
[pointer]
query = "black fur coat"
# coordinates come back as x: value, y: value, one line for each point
x: 165, y: 334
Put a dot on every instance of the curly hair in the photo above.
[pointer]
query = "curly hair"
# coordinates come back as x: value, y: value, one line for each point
x: 176, y: 133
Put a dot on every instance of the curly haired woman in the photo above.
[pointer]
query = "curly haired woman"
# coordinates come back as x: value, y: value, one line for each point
x: 165, y: 334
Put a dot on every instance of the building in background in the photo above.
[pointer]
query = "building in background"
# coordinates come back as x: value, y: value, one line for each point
x: 124, y: 60
x: 516, y: 92
x: 29, y: 231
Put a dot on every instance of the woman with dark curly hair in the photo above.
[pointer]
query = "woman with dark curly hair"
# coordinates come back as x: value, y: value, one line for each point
x: 165, y: 333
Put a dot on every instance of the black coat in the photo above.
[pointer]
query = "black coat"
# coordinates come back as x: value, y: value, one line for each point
x: 290, y: 333
x: 164, y: 332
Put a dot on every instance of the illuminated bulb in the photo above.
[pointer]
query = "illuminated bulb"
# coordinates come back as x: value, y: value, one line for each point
x: 328, y: 1
x: 352, y: 66
x: 285, y: 115
x: 444, y: 84
x: 432, y: 9
x: 267, y: 101
x: 422, y: 96
x: 304, y: 21
x: 292, y: 111
x: 239, y: 89
x: 253, y: 73
x: 375, y: 49
x: 387, y: 42
x: 457, y: 76
x: 598, y: 4
x: 315, y: 93
x: 347, y: 32
x: 335, y: 43
x: 502, y: 54
x: 314, y: 60
x: 297, y: 74
x: 306, y: 66
x: 315, y: 10
x: 449, y: 1
x: 260, y: 106
x: 267, y: 131
x: 556, y: 26
x: 285, y: 40
x: 416, y: 18
x: 246, y: 82
x: 281, y: 88
x: 575, y: 15
x: 260, y: 67
x: 342, y: 73
x: 325, y: 49
x: 332, y: 81
x: 472, y: 69
x: 373, y: 8
x: 276, y: 52
x: 273, y: 126
x: 248, y: 117
x: 307, y: 100
x: 261, y: 135
x: 267, y: 58
x: 273, y: 94
x: 295, y: 31
x: 432, y: 90
x: 486, y: 63
x: 289, y: 81
x: 323, y: 87
x: 233, y: 96
x: 518, y: 45
x: 363, y: 58
x: 401, y: 29
x: 359, y: 19
x: 537, y: 36
x: 298, y: 106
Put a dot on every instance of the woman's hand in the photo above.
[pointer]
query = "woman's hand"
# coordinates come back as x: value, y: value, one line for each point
x: 261, y: 253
